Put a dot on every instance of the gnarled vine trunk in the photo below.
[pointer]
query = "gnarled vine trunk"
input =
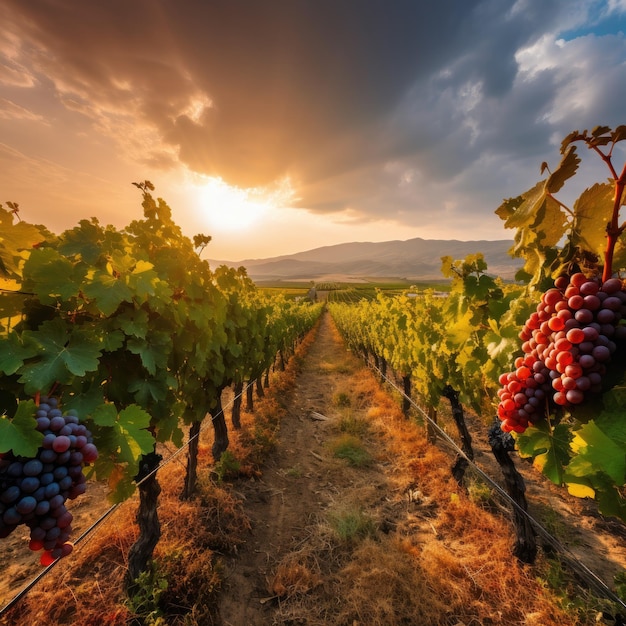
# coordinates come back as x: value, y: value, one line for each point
x: 140, y: 553
x: 220, y: 443
x: 406, y: 398
x: 191, y: 474
x: 236, y: 411
x: 460, y: 465
x: 250, y: 396
x: 525, y: 542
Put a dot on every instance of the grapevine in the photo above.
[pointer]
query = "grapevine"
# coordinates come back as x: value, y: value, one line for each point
x: 139, y: 332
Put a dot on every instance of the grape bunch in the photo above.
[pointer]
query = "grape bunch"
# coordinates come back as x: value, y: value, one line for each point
x: 567, y: 343
x: 34, y: 491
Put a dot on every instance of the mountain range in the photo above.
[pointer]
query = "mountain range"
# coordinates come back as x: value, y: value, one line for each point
x: 412, y: 260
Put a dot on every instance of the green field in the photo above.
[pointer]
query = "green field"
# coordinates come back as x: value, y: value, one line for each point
x: 338, y: 291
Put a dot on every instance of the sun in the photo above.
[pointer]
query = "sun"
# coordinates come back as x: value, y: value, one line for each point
x: 231, y: 209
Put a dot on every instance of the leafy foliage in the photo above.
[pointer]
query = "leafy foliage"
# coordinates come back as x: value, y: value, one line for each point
x: 131, y: 327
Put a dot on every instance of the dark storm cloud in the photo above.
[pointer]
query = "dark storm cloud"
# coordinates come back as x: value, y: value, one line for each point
x: 369, y: 104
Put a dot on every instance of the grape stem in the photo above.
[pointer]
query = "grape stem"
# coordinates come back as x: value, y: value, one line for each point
x: 613, y: 229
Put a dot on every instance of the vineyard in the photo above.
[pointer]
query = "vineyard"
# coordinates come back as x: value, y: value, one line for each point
x: 120, y: 349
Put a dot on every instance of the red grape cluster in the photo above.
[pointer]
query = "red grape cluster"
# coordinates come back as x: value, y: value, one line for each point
x: 568, y: 343
x: 34, y: 491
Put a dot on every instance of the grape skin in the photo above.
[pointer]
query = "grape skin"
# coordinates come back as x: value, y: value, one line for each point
x: 34, y: 491
x: 567, y: 342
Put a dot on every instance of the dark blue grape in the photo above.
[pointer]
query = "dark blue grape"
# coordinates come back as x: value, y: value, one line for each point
x: 11, y: 516
x: 15, y: 470
x: 11, y: 494
x: 46, y: 479
x: 33, y: 467
x: 29, y: 484
x: 52, y: 490
x: 26, y: 505
x: 48, y: 456
x: 42, y: 507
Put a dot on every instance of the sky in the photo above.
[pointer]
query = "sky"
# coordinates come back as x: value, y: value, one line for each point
x: 279, y: 126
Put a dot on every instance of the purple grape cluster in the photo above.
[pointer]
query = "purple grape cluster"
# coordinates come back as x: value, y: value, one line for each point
x: 34, y: 491
x: 568, y: 343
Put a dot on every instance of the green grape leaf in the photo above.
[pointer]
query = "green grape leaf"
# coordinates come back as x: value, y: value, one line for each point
x: 548, y: 447
x: 19, y: 434
x: 146, y: 352
x: 105, y: 414
x: 135, y: 438
x: 16, y: 243
x: 596, y: 451
x: 107, y: 291
x: 83, y: 241
x: 146, y: 391
x: 112, y: 340
x: 51, y: 276
x: 121, y: 445
x: 134, y: 322
x: 13, y: 352
x: 143, y: 279
x: 62, y: 353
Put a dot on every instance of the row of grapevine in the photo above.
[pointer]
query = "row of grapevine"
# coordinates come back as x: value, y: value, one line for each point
x: 516, y: 350
x: 132, y: 331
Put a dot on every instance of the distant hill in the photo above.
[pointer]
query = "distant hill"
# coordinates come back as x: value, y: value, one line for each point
x: 413, y: 259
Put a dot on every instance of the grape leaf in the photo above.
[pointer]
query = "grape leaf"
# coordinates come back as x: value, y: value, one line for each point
x: 552, y: 223
x: 15, y: 240
x: 135, y: 438
x: 596, y: 451
x: 107, y: 291
x: 548, y: 447
x: 83, y: 241
x: 51, y: 276
x: 619, y: 134
x: 526, y: 213
x: 566, y: 169
x: 508, y: 208
x: 13, y: 352
x: 146, y: 391
x: 105, y: 414
x: 592, y: 212
x: 62, y: 353
x: 19, y: 434
x: 143, y: 279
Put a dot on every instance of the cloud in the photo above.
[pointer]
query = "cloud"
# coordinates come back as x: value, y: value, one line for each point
x: 11, y: 111
x: 406, y: 110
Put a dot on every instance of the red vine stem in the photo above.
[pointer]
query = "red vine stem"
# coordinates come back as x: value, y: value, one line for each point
x: 613, y: 229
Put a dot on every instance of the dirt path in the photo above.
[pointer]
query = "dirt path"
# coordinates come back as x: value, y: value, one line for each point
x: 298, y: 484
x: 293, y: 570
